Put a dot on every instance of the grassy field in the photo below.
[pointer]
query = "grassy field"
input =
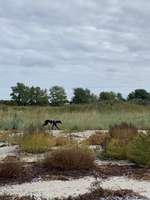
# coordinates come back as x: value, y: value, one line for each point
x: 75, y: 118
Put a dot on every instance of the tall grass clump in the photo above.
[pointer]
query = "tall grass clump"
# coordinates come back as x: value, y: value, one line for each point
x: 70, y: 158
x: 139, y: 150
x: 36, y: 142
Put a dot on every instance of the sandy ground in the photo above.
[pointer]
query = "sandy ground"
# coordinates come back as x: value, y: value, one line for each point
x: 116, y: 183
x: 52, y: 189
x: 114, y: 162
x: 8, y: 151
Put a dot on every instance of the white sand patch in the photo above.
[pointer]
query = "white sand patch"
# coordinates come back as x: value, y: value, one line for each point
x: 50, y: 189
x: 31, y: 158
x: 114, y: 162
x: 8, y: 151
x: 84, y: 134
x: 117, y: 183
x: 2, y: 144
x: 96, y: 147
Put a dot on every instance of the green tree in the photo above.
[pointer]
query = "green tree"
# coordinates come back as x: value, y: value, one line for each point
x: 38, y: 96
x: 139, y: 94
x: 57, y: 96
x: 24, y: 95
x: 107, y: 96
x: 83, y: 96
x: 120, y: 97
x: 20, y: 94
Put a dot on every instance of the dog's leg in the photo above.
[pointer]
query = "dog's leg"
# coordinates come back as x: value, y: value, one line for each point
x: 56, y: 126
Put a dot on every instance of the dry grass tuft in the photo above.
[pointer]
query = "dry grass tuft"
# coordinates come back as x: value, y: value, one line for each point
x: 98, y: 139
x: 62, y: 141
x: 70, y: 158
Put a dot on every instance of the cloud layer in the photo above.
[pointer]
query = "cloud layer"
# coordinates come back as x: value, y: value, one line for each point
x: 102, y: 45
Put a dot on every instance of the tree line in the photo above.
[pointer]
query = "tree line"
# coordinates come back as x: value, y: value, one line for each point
x: 23, y: 95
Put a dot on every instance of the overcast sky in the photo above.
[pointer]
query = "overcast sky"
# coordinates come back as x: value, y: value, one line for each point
x: 98, y: 44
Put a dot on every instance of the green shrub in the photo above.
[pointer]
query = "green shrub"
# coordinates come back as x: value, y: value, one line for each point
x: 116, y: 149
x: 70, y: 158
x: 139, y: 150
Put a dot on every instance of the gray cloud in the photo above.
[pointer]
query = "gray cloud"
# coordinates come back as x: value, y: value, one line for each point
x: 102, y: 45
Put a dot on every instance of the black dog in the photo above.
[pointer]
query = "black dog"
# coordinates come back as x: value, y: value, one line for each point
x: 53, y: 123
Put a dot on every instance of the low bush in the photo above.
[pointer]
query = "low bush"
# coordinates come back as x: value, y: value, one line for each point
x: 70, y: 158
x: 136, y: 150
x: 36, y: 142
x: 139, y: 150
x: 120, y: 137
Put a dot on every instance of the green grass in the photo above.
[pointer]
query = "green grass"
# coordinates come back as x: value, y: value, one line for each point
x: 75, y: 117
